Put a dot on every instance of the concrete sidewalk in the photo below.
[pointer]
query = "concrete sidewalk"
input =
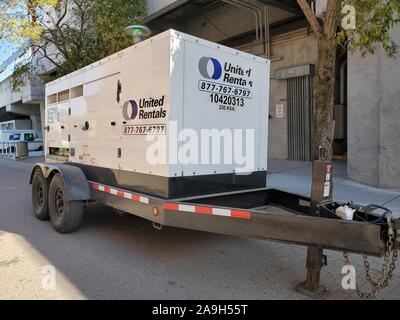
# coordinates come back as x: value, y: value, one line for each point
x: 295, y: 177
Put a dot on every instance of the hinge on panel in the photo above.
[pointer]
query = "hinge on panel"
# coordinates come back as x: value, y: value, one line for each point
x: 119, y: 90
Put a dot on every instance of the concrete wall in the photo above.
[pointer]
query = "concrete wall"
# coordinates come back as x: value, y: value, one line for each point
x: 7, y: 96
x: 374, y: 118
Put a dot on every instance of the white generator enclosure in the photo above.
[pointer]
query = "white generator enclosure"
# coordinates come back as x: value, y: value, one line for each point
x: 172, y: 116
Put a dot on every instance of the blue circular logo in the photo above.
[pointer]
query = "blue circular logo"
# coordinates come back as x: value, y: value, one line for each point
x: 130, y: 110
x: 210, y: 68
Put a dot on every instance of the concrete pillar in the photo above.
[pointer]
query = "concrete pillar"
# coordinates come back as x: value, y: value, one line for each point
x: 36, y: 124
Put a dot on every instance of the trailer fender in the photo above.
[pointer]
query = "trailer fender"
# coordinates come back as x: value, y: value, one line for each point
x: 75, y: 180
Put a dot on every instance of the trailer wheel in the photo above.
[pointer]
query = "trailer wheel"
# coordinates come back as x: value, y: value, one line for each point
x: 40, y: 196
x: 65, y: 215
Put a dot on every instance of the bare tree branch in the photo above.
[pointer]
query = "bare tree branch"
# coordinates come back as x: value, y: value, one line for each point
x: 45, y: 55
x: 63, y: 14
x: 312, y: 19
x: 332, y: 12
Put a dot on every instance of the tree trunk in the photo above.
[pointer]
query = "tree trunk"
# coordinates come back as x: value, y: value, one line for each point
x: 323, y: 124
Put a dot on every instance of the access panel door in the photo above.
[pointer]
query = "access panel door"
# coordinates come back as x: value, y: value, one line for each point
x: 95, y: 124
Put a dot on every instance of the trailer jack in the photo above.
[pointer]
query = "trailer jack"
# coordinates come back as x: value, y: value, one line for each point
x: 315, y: 261
x: 321, y: 193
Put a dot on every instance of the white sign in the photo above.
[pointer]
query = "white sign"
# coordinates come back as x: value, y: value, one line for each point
x: 279, y: 111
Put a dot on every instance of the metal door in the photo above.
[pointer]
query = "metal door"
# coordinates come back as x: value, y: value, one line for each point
x: 300, y: 109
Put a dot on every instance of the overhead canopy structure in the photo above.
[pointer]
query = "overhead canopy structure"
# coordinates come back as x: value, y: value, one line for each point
x: 283, y: 16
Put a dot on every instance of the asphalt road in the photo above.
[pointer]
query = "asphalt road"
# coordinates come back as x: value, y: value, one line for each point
x: 124, y: 257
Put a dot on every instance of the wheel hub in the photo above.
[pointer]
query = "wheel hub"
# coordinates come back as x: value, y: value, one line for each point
x: 59, y: 202
x: 40, y: 195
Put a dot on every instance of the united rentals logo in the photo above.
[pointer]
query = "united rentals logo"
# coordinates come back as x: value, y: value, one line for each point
x: 151, y: 108
x: 130, y: 110
x: 210, y: 68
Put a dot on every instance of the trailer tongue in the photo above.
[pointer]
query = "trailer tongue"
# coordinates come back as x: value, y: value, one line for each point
x: 112, y: 136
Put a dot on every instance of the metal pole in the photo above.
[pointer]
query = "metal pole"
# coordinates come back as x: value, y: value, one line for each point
x: 246, y: 6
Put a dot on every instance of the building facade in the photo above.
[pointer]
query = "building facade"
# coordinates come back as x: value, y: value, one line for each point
x: 24, y: 103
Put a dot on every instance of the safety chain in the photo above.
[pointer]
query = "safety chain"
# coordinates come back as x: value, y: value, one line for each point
x: 388, y: 267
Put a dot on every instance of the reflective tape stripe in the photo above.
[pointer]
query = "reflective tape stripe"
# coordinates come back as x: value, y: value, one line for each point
x: 120, y: 193
x: 207, y: 210
x: 171, y: 206
x: 203, y: 210
x: 144, y: 199
x: 221, y: 212
x: 240, y: 214
x: 187, y: 208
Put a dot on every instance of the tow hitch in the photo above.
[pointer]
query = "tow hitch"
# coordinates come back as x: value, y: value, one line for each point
x: 323, y: 205
x: 389, y: 264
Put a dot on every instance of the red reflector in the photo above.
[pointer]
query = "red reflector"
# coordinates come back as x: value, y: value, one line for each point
x: 107, y: 189
x: 135, y: 197
x: 240, y: 214
x: 95, y: 186
x: 203, y: 210
x: 120, y: 193
x: 171, y: 206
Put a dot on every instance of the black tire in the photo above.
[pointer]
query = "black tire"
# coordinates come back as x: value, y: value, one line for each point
x: 65, y: 215
x: 40, y: 196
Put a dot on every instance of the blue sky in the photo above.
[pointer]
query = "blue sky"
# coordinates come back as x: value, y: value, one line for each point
x: 6, y: 49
